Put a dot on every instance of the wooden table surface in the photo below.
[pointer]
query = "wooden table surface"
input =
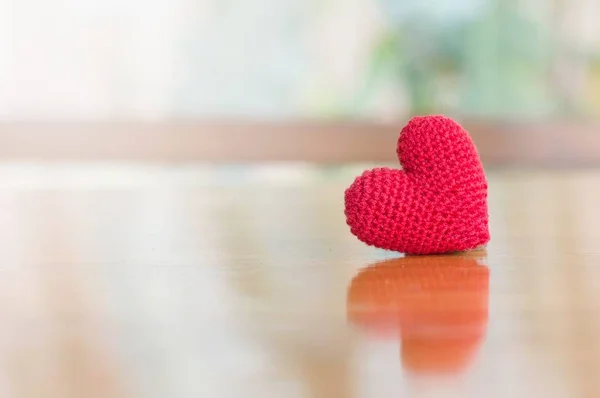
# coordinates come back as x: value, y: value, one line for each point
x: 129, y: 281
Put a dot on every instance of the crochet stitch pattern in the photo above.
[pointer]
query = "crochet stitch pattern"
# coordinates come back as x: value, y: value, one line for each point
x: 436, y: 204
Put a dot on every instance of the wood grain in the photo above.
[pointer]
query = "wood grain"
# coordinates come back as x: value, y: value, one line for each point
x: 129, y: 281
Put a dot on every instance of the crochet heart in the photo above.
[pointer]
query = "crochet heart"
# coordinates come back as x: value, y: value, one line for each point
x: 436, y: 204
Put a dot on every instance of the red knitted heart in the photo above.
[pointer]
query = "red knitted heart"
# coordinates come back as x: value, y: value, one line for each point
x: 436, y: 204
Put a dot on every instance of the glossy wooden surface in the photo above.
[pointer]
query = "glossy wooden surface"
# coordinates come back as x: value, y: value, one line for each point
x: 146, y: 281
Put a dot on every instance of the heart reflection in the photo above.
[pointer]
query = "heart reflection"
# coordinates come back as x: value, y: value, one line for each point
x: 437, y: 305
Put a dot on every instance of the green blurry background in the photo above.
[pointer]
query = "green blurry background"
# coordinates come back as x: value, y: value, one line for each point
x: 299, y: 59
x: 490, y: 58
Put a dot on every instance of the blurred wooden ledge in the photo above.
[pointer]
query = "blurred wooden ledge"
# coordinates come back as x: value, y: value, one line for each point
x: 558, y: 144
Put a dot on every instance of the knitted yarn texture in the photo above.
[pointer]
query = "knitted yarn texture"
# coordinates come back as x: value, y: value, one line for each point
x: 436, y: 204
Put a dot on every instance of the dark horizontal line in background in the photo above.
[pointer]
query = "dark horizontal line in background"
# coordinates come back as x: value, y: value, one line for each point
x: 558, y: 144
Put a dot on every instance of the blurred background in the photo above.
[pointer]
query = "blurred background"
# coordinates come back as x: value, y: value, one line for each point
x: 154, y: 243
x: 274, y: 59
x: 231, y: 80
